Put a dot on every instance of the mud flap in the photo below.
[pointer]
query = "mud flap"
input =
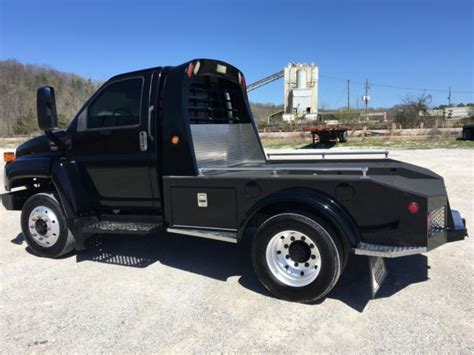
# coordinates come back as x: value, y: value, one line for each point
x: 378, y: 273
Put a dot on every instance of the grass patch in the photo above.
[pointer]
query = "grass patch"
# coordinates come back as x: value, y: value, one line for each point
x: 429, y: 144
x: 415, y: 144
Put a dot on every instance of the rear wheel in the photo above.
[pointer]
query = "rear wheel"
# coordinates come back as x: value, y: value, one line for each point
x: 296, y: 257
x: 44, y: 226
x: 343, y: 137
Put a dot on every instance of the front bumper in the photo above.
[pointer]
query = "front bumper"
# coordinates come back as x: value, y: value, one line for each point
x: 14, y: 201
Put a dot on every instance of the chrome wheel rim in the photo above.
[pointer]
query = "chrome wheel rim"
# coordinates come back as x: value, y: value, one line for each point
x: 293, y: 258
x: 44, y: 226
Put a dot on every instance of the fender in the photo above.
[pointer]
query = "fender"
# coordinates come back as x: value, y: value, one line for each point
x: 26, y: 167
x: 74, y: 198
x: 315, y: 201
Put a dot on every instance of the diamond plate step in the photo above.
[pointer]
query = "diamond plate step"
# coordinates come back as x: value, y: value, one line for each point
x: 114, y: 227
x: 387, y: 251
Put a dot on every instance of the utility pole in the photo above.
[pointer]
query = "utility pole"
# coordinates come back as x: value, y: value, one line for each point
x: 366, y: 98
x: 348, y: 95
x: 449, y: 96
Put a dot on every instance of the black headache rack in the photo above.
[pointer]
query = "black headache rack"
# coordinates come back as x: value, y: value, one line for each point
x: 215, y: 100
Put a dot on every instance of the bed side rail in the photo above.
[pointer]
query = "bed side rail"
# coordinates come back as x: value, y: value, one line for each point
x: 275, y: 169
x: 330, y: 153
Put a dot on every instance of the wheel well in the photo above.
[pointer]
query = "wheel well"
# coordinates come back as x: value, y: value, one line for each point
x: 32, y: 182
x: 32, y: 186
x: 281, y: 207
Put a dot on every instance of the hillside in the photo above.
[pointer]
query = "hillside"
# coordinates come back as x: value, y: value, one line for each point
x: 18, y: 84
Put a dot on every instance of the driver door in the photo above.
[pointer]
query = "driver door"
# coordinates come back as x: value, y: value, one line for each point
x: 111, y: 146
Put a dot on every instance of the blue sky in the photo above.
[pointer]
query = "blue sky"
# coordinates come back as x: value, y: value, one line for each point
x: 410, y: 44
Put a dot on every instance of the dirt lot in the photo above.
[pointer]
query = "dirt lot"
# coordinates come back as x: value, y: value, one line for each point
x: 180, y: 294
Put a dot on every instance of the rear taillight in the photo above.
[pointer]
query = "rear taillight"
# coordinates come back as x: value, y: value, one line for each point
x: 8, y: 157
x: 413, y: 207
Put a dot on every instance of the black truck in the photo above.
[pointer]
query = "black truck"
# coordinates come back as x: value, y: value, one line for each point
x: 176, y: 149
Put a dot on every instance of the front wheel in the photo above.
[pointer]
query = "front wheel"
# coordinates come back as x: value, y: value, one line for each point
x: 44, y: 226
x: 296, y: 257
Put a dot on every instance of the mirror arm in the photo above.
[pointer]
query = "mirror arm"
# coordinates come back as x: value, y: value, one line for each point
x: 53, y: 138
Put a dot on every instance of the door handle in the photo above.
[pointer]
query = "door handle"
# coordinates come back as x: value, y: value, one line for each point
x: 143, y: 141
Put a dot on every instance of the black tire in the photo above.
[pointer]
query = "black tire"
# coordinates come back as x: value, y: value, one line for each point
x: 65, y: 241
x: 343, y: 137
x: 327, y: 243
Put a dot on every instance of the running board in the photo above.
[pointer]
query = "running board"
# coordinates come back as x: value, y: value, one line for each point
x: 215, y: 234
x: 387, y: 251
x: 116, y: 227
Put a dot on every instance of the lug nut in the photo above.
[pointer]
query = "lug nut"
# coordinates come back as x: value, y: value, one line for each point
x: 278, y: 252
x: 286, y: 246
x: 303, y: 237
x: 296, y: 264
x: 306, y: 264
x: 292, y: 239
x: 311, y: 246
x: 287, y: 256
x: 302, y: 273
x: 313, y: 257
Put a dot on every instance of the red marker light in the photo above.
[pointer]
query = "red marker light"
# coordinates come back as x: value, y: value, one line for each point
x: 413, y: 207
x: 242, y: 82
x: 190, y: 70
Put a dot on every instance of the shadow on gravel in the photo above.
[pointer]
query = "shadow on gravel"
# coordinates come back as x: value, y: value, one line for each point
x: 353, y: 288
x: 220, y: 260
x: 320, y: 145
x: 19, y: 239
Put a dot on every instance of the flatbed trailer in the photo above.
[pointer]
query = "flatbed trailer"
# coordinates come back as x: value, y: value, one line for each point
x: 327, y: 133
x: 176, y: 149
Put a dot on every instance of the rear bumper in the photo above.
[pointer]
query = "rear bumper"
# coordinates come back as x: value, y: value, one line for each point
x: 455, y: 231
x: 458, y: 231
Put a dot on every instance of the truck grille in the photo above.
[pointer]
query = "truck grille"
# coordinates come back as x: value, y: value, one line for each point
x: 437, y: 220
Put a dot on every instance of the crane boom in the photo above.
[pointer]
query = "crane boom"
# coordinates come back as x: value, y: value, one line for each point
x: 265, y: 81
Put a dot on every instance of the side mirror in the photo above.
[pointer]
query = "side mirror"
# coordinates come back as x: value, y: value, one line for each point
x: 46, y: 108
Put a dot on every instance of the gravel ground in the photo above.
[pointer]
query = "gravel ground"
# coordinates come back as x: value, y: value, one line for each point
x: 181, y: 294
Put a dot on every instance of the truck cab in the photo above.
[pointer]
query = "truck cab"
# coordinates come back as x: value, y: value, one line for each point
x: 176, y: 149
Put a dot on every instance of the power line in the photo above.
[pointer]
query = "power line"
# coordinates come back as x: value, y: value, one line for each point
x: 397, y: 87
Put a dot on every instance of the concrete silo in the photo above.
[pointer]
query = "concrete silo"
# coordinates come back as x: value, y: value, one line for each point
x: 301, y: 91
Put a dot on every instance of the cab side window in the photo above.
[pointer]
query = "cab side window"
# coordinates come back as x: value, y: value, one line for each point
x: 117, y: 105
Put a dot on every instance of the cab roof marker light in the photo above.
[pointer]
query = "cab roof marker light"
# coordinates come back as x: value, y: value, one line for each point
x: 190, y: 70
x: 196, y: 68
x: 221, y: 69
x: 242, y: 81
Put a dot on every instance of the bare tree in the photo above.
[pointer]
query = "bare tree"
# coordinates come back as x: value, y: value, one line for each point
x: 18, y: 85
